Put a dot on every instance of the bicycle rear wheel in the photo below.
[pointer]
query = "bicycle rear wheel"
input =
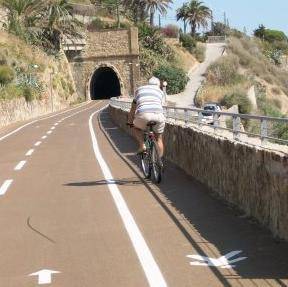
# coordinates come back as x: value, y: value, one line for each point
x: 156, y: 164
x: 146, y: 164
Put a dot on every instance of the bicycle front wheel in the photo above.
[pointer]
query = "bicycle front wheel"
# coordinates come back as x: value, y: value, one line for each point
x: 156, y: 164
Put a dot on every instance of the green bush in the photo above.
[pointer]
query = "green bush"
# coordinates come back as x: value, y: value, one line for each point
x: 224, y: 71
x: 6, y: 75
x: 28, y: 94
x: 274, y: 35
x: 245, y: 106
x: 176, y: 78
x: 188, y: 42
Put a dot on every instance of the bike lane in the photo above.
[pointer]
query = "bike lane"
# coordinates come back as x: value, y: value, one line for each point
x: 180, y: 218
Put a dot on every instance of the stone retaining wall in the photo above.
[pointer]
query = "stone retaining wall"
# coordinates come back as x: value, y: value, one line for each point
x: 254, y: 179
x: 19, y: 110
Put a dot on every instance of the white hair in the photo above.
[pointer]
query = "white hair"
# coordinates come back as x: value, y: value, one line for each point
x: 154, y: 81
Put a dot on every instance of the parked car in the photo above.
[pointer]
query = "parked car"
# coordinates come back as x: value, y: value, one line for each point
x: 208, y: 117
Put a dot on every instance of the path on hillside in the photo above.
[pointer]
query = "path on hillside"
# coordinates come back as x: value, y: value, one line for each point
x: 70, y: 204
x: 186, y: 99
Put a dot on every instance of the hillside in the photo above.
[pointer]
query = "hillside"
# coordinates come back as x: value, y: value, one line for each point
x: 25, y: 72
x: 246, y: 66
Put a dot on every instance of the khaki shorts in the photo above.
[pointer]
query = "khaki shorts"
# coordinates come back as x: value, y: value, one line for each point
x: 141, y: 120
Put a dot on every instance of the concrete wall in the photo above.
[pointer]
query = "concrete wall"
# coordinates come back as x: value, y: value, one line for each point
x: 117, y: 49
x: 254, y: 179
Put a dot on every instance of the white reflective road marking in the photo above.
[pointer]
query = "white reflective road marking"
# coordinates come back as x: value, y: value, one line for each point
x: 44, y: 276
x: 38, y: 143
x: 149, y: 265
x: 20, y: 165
x: 29, y: 152
x: 4, y: 187
x: 53, y: 128
x: 49, y: 132
x: 222, y: 262
x: 44, y: 137
x: 56, y: 124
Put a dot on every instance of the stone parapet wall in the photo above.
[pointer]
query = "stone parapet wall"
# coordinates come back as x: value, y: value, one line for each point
x: 17, y: 110
x: 252, y: 178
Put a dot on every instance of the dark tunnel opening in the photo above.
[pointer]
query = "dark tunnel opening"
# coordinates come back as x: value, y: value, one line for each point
x: 104, y: 84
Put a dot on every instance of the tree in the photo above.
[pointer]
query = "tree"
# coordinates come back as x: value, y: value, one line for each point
x: 198, y: 15
x: 182, y: 14
x: 260, y: 32
x: 41, y: 22
x: 152, y: 6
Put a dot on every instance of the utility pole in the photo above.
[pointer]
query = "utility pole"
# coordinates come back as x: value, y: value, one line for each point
x: 159, y: 19
x: 212, y: 22
x: 225, y: 19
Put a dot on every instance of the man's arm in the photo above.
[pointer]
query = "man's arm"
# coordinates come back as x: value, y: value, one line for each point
x: 132, y: 112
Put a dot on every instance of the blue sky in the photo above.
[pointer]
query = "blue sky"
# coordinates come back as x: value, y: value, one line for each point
x: 245, y: 13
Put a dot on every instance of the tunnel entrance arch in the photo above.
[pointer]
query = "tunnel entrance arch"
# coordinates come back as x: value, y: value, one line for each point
x: 105, y: 83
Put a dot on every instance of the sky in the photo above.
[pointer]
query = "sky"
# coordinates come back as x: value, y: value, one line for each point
x: 272, y: 14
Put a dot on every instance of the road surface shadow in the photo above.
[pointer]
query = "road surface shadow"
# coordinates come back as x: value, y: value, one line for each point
x: 217, y: 222
x: 123, y: 181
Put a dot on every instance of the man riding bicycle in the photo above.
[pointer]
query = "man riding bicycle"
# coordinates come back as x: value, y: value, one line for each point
x: 147, y: 107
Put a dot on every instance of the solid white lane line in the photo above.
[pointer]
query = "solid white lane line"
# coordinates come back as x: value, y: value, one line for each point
x: 29, y: 152
x: 38, y: 143
x: 4, y: 187
x: 44, y: 137
x: 35, y: 121
x: 53, y: 128
x: 148, y: 263
x: 49, y: 132
x: 20, y: 165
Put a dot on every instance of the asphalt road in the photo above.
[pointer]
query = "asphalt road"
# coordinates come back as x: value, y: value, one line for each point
x: 73, y: 203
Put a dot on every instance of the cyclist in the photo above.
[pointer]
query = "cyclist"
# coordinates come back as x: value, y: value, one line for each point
x: 147, y: 107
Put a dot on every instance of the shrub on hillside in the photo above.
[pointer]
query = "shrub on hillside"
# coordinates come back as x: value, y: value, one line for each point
x: 245, y: 106
x: 224, y: 71
x: 176, y: 78
x: 170, y: 31
x: 274, y: 35
x: 150, y: 38
x: 6, y: 74
x: 188, y: 42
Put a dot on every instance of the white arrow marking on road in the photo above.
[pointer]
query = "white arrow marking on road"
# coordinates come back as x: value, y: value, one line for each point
x: 222, y: 262
x: 44, y: 276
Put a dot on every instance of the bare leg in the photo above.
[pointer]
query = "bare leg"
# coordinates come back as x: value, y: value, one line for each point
x: 139, y: 136
x: 160, y: 144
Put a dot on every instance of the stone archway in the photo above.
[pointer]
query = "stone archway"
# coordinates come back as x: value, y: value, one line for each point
x: 105, y: 83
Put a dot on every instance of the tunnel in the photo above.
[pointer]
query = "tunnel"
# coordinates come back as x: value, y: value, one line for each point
x: 104, y: 84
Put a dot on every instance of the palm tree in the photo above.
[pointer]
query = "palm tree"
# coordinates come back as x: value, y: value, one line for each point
x: 198, y: 15
x: 182, y: 14
x: 153, y: 5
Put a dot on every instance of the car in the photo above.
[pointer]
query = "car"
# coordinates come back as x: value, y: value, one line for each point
x: 208, y: 117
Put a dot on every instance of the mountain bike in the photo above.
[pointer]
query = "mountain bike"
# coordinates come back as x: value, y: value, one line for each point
x: 151, y: 162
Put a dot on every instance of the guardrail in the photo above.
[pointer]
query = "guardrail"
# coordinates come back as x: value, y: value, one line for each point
x: 258, y: 130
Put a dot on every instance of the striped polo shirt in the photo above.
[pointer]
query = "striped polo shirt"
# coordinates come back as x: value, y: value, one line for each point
x: 149, y: 99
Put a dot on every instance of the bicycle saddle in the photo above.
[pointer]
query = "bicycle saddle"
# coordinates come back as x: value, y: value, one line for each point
x: 151, y: 124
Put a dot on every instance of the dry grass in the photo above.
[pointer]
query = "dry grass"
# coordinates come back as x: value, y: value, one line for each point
x: 184, y: 59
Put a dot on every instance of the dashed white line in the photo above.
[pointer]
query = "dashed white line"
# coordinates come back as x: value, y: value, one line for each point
x: 45, y: 118
x: 53, y: 128
x: 20, y: 165
x: 29, y: 152
x: 49, y: 132
x: 148, y: 263
x: 44, y: 137
x: 56, y: 124
x: 4, y: 187
x: 37, y: 143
